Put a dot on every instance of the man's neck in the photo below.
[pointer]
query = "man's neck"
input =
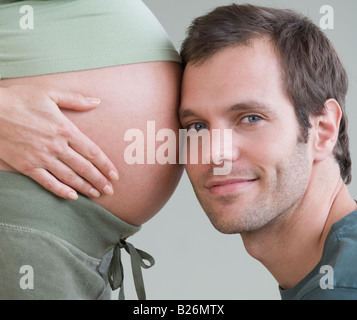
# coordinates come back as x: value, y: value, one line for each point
x: 292, y: 245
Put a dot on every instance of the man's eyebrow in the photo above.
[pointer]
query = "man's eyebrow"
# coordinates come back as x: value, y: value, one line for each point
x: 250, y: 106
x: 186, y: 113
x: 243, y: 106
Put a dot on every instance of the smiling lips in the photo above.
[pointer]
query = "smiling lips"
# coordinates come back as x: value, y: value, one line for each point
x: 221, y: 187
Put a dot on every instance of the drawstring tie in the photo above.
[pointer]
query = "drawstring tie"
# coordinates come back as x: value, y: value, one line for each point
x: 116, y: 272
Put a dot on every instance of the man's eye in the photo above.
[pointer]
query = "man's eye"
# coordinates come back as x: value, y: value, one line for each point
x: 251, y: 119
x: 197, y: 126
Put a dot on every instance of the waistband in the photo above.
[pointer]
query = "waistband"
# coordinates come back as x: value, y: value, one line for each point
x: 82, y: 223
x: 73, y: 35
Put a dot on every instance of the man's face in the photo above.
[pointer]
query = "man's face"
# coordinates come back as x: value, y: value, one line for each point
x: 240, y: 88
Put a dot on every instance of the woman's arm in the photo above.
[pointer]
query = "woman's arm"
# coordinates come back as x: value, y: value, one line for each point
x: 37, y: 140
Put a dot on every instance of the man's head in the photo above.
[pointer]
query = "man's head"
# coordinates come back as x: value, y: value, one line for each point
x: 269, y: 75
x: 311, y: 69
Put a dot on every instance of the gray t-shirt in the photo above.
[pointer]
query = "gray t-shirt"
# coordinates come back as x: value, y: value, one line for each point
x: 335, y: 276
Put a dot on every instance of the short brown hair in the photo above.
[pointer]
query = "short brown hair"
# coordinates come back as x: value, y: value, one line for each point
x: 311, y: 69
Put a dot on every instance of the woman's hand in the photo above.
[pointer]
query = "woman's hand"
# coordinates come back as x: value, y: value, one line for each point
x: 37, y: 140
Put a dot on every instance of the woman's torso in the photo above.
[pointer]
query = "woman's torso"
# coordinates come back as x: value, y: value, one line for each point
x: 130, y: 96
x: 102, y: 49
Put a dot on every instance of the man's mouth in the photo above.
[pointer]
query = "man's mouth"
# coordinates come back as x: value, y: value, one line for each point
x: 228, y: 186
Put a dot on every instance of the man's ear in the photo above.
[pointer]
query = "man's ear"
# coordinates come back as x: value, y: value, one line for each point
x: 326, y: 127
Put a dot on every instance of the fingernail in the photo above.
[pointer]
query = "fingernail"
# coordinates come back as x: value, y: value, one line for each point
x: 113, y: 175
x: 72, y: 195
x: 93, y: 101
x: 94, y: 193
x: 108, y: 190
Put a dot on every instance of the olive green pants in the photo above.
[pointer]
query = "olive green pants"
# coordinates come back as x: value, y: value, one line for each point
x: 51, y: 248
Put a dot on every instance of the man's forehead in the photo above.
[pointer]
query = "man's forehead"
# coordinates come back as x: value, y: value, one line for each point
x: 258, y: 55
x: 243, y: 68
x: 262, y: 39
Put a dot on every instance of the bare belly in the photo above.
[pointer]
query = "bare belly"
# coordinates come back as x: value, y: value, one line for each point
x: 131, y: 95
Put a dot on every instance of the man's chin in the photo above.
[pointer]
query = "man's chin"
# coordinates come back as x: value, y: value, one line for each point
x: 227, y: 214
x: 226, y: 229
x: 235, y: 221
x: 225, y: 224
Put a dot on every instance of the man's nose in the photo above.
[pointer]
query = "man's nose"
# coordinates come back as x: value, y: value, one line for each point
x: 222, y: 152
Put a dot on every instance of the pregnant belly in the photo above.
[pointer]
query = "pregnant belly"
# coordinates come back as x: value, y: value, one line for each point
x: 131, y: 95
